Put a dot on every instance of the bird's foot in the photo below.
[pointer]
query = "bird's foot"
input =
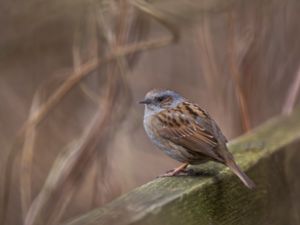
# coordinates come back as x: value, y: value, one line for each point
x: 172, y: 173
x: 176, y: 171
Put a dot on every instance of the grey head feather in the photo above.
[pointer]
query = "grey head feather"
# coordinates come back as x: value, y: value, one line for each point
x: 158, y: 100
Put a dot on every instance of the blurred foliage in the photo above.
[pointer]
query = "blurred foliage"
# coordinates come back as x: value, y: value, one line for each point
x: 72, y: 71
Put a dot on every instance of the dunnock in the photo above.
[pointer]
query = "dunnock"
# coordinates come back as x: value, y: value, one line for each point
x: 186, y: 133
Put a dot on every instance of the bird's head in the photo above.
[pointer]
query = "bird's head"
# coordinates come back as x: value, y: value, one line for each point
x: 158, y: 100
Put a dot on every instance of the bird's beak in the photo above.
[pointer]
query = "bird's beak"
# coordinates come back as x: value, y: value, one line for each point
x: 145, y: 101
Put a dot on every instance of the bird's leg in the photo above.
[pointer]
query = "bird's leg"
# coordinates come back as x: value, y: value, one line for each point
x: 175, y: 171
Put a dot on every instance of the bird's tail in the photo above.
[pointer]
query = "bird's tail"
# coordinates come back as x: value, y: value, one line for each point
x: 243, y: 177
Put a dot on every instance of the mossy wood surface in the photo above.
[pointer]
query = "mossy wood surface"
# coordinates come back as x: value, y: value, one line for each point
x: 269, y: 154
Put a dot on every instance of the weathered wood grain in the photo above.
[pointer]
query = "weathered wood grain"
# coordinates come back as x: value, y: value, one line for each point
x: 271, y: 156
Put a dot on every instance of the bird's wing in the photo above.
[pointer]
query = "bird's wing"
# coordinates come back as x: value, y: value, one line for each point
x: 189, y: 126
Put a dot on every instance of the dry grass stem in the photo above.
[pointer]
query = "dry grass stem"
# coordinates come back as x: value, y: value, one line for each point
x: 236, y: 76
x: 27, y: 159
x: 292, y: 95
x: 159, y: 16
x: 208, y: 62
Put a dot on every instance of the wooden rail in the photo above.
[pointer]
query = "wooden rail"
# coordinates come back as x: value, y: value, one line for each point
x: 269, y: 154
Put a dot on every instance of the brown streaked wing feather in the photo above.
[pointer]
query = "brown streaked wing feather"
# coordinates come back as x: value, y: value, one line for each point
x: 203, y: 119
x: 182, y: 129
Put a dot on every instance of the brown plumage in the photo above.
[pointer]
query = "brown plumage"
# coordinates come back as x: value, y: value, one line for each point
x: 186, y: 133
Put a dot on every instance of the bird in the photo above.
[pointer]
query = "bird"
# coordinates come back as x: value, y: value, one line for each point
x: 186, y: 133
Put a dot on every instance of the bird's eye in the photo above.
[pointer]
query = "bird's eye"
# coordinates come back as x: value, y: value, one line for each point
x: 160, y: 98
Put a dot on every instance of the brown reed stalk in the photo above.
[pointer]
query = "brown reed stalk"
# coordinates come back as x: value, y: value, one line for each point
x: 236, y: 76
x: 208, y: 59
x: 26, y: 160
x: 292, y: 95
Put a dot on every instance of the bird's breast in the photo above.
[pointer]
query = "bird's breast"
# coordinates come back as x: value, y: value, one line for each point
x: 151, y: 130
x: 151, y: 125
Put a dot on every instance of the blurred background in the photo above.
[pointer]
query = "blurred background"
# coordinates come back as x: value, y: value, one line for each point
x: 72, y: 72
